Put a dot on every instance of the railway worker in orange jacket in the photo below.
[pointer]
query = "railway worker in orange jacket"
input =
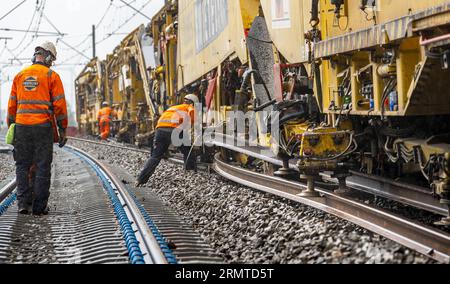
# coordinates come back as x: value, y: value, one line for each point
x: 104, y: 117
x: 170, y: 120
x: 37, y: 100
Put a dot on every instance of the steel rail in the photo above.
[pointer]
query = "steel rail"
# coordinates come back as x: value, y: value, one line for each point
x: 91, y: 237
x: 403, y: 193
x: 110, y: 145
x: 175, y: 160
x: 7, y: 190
x: 414, y: 196
x: 430, y: 242
x: 148, y: 243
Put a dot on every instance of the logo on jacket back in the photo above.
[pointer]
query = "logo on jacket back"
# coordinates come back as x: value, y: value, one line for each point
x: 30, y: 84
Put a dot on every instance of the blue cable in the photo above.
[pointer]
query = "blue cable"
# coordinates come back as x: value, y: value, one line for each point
x: 4, y: 206
x: 131, y: 242
x: 171, y: 258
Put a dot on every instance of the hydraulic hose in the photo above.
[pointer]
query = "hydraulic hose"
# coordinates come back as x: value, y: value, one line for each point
x: 290, y: 117
x: 247, y: 79
x: 266, y: 105
x: 314, y: 13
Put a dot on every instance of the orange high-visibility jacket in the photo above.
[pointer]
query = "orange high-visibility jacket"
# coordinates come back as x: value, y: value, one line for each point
x: 37, y: 97
x: 174, y: 116
x: 106, y: 114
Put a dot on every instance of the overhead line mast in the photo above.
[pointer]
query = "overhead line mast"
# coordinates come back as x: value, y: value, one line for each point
x: 93, y: 42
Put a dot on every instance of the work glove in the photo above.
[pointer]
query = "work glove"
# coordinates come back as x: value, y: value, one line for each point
x: 62, y: 138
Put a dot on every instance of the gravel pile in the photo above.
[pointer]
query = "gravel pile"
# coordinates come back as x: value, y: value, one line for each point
x: 246, y: 226
x: 7, y: 165
x: 421, y: 216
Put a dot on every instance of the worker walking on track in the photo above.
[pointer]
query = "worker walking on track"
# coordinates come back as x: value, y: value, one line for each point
x: 170, y: 120
x: 37, y: 106
x: 104, y: 117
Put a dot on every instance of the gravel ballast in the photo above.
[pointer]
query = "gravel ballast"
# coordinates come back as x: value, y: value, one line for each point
x: 247, y: 226
x: 7, y: 165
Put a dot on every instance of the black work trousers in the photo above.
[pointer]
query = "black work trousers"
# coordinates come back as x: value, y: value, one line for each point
x: 162, y: 142
x: 33, y: 146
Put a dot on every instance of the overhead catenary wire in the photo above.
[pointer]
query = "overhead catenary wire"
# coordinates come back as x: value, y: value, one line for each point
x: 40, y: 16
x: 37, y: 27
x: 129, y: 5
x: 3, y: 50
x: 86, y: 39
x: 124, y: 23
x: 51, y: 24
x: 74, y: 49
x: 28, y: 29
x: 61, y: 36
x: 44, y: 33
x: 40, y: 6
x: 13, y: 9
x: 109, y: 35
x: 14, y: 56
x: 79, y: 54
x: 62, y: 41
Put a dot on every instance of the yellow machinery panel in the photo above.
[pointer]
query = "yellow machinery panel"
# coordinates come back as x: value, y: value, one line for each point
x: 288, y: 19
x: 209, y: 32
x: 353, y: 18
x: 374, y: 62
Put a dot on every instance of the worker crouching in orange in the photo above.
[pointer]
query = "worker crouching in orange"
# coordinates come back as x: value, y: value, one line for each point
x: 171, y: 120
x: 105, y: 117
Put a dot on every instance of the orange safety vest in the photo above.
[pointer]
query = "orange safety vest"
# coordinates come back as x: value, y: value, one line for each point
x: 37, y: 98
x: 105, y: 114
x: 174, y: 116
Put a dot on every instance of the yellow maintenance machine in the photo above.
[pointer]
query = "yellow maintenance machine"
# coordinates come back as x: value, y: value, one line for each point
x: 358, y: 84
x: 252, y: 56
x: 128, y: 87
x: 385, y: 71
x: 90, y: 93
x: 355, y: 85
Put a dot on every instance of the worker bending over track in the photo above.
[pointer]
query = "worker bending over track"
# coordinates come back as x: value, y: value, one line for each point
x: 170, y: 120
x: 37, y: 100
x: 104, y: 117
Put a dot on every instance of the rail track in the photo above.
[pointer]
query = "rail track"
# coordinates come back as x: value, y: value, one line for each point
x: 429, y: 241
x: 96, y: 218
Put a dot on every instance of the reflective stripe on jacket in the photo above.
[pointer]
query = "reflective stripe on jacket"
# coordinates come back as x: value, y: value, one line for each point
x: 174, y: 116
x: 37, y: 95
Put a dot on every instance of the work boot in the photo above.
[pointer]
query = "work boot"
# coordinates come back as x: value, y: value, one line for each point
x: 42, y: 213
x: 24, y: 211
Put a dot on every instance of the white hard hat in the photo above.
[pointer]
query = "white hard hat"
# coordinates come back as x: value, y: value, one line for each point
x: 48, y: 46
x: 192, y: 98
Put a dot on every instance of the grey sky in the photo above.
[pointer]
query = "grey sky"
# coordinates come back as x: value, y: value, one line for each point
x: 72, y: 17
